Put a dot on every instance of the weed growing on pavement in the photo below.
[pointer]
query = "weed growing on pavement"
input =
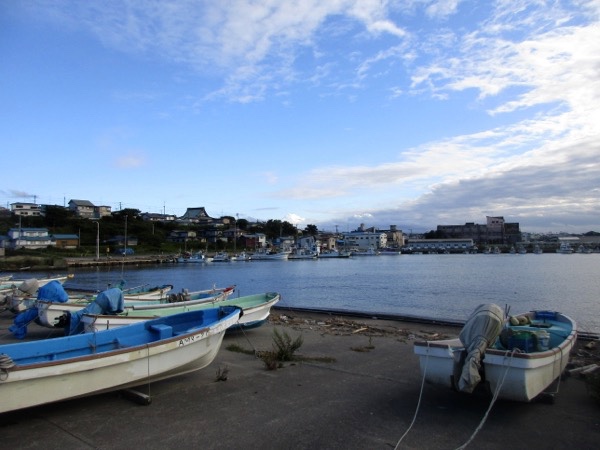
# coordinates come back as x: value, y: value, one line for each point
x: 222, y: 373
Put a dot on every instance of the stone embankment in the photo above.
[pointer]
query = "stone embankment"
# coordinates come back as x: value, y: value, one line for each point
x: 119, y: 260
x: 49, y: 263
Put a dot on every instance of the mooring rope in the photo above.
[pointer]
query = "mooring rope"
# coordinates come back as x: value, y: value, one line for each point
x: 419, y: 401
x: 494, y: 398
x: 148, y: 366
x: 559, y: 376
x: 247, y: 339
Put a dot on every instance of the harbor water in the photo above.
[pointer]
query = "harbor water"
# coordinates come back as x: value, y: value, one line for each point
x: 444, y: 287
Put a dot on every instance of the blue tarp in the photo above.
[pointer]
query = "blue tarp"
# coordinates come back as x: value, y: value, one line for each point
x: 19, y: 329
x: 107, y: 302
x: 53, y: 292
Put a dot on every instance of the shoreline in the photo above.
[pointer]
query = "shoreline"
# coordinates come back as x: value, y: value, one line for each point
x: 356, y: 385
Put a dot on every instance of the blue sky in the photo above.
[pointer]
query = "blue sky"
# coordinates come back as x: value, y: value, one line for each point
x: 411, y: 113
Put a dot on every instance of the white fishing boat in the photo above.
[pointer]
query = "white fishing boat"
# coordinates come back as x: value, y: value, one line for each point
x: 243, y: 256
x: 51, y: 313
x: 221, y: 257
x: 269, y: 255
x: 196, y: 258
x: 21, y: 298
x: 19, y: 294
x: 145, y: 293
x: 302, y: 253
x: 564, y: 248
x: 255, y: 310
x: 368, y: 252
x: 9, y: 282
x: 49, y: 370
x: 516, y: 358
x: 334, y: 254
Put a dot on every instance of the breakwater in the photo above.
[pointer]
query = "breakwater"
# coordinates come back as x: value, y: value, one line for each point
x: 118, y: 261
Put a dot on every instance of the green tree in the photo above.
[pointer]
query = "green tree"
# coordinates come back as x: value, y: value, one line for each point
x: 311, y: 230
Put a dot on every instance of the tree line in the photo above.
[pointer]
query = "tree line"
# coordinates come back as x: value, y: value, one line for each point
x: 151, y: 235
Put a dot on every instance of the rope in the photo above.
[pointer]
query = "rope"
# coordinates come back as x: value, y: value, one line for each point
x: 494, y: 398
x: 559, y: 376
x: 6, y: 363
x: 148, y: 361
x: 419, y: 401
x: 248, y: 339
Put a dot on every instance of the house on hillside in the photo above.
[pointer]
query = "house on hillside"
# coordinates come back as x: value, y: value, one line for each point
x: 253, y: 241
x: 66, y: 240
x: 26, y: 209
x: 32, y: 238
x: 86, y: 209
x: 181, y: 236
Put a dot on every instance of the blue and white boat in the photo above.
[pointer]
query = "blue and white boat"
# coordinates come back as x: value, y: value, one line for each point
x: 50, y: 370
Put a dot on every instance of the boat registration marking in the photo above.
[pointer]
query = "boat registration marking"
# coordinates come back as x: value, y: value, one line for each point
x: 191, y: 339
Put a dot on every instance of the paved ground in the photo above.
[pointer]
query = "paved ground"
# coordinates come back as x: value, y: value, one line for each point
x: 357, y: 387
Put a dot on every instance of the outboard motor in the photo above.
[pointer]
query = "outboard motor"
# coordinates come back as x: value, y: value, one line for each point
x: 480, y: 331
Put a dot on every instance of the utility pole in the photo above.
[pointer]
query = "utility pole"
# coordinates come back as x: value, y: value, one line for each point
x: 97, y: 240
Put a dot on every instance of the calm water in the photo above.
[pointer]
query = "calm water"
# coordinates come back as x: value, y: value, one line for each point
x: 433, y: 286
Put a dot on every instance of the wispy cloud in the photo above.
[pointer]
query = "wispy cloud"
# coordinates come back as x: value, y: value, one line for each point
x: 131, y: 161
x: 531, y: 67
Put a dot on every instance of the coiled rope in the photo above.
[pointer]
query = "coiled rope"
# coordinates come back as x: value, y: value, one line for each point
x: 6, y: 363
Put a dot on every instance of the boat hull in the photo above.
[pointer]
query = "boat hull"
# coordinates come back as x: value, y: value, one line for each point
x: 115, y: 365
x: 269, y: 256
x: 49, y: 313
x: 515, y: 375
x: 255, y: 310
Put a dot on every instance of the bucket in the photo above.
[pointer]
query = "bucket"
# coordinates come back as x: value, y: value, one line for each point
x: 543, y: 338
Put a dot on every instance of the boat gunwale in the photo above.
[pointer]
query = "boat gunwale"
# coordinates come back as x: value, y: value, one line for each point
x: 212, y: 329
x: 567, y: 343
x: 273, y: 298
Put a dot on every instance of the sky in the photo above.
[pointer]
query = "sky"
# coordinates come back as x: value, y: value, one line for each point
x: 336, y: 113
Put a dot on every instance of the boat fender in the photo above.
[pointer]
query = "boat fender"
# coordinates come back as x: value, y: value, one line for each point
x: 520, y: 320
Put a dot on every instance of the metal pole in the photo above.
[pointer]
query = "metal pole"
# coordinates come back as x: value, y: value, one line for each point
x: 97, y: 241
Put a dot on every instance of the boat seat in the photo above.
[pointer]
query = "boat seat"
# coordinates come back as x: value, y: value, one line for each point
x: 164, y: 331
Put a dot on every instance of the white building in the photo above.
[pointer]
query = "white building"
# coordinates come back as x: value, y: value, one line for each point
x: 364, y: 240
x: 26, y: 209
x: 29, y: 238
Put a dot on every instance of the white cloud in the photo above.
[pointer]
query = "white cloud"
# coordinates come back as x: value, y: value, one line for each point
x: 294, y: 219
x: 131, y: 161
x: 442, y: 8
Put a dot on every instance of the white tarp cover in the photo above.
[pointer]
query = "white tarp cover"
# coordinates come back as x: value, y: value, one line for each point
x: 481, y: 329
